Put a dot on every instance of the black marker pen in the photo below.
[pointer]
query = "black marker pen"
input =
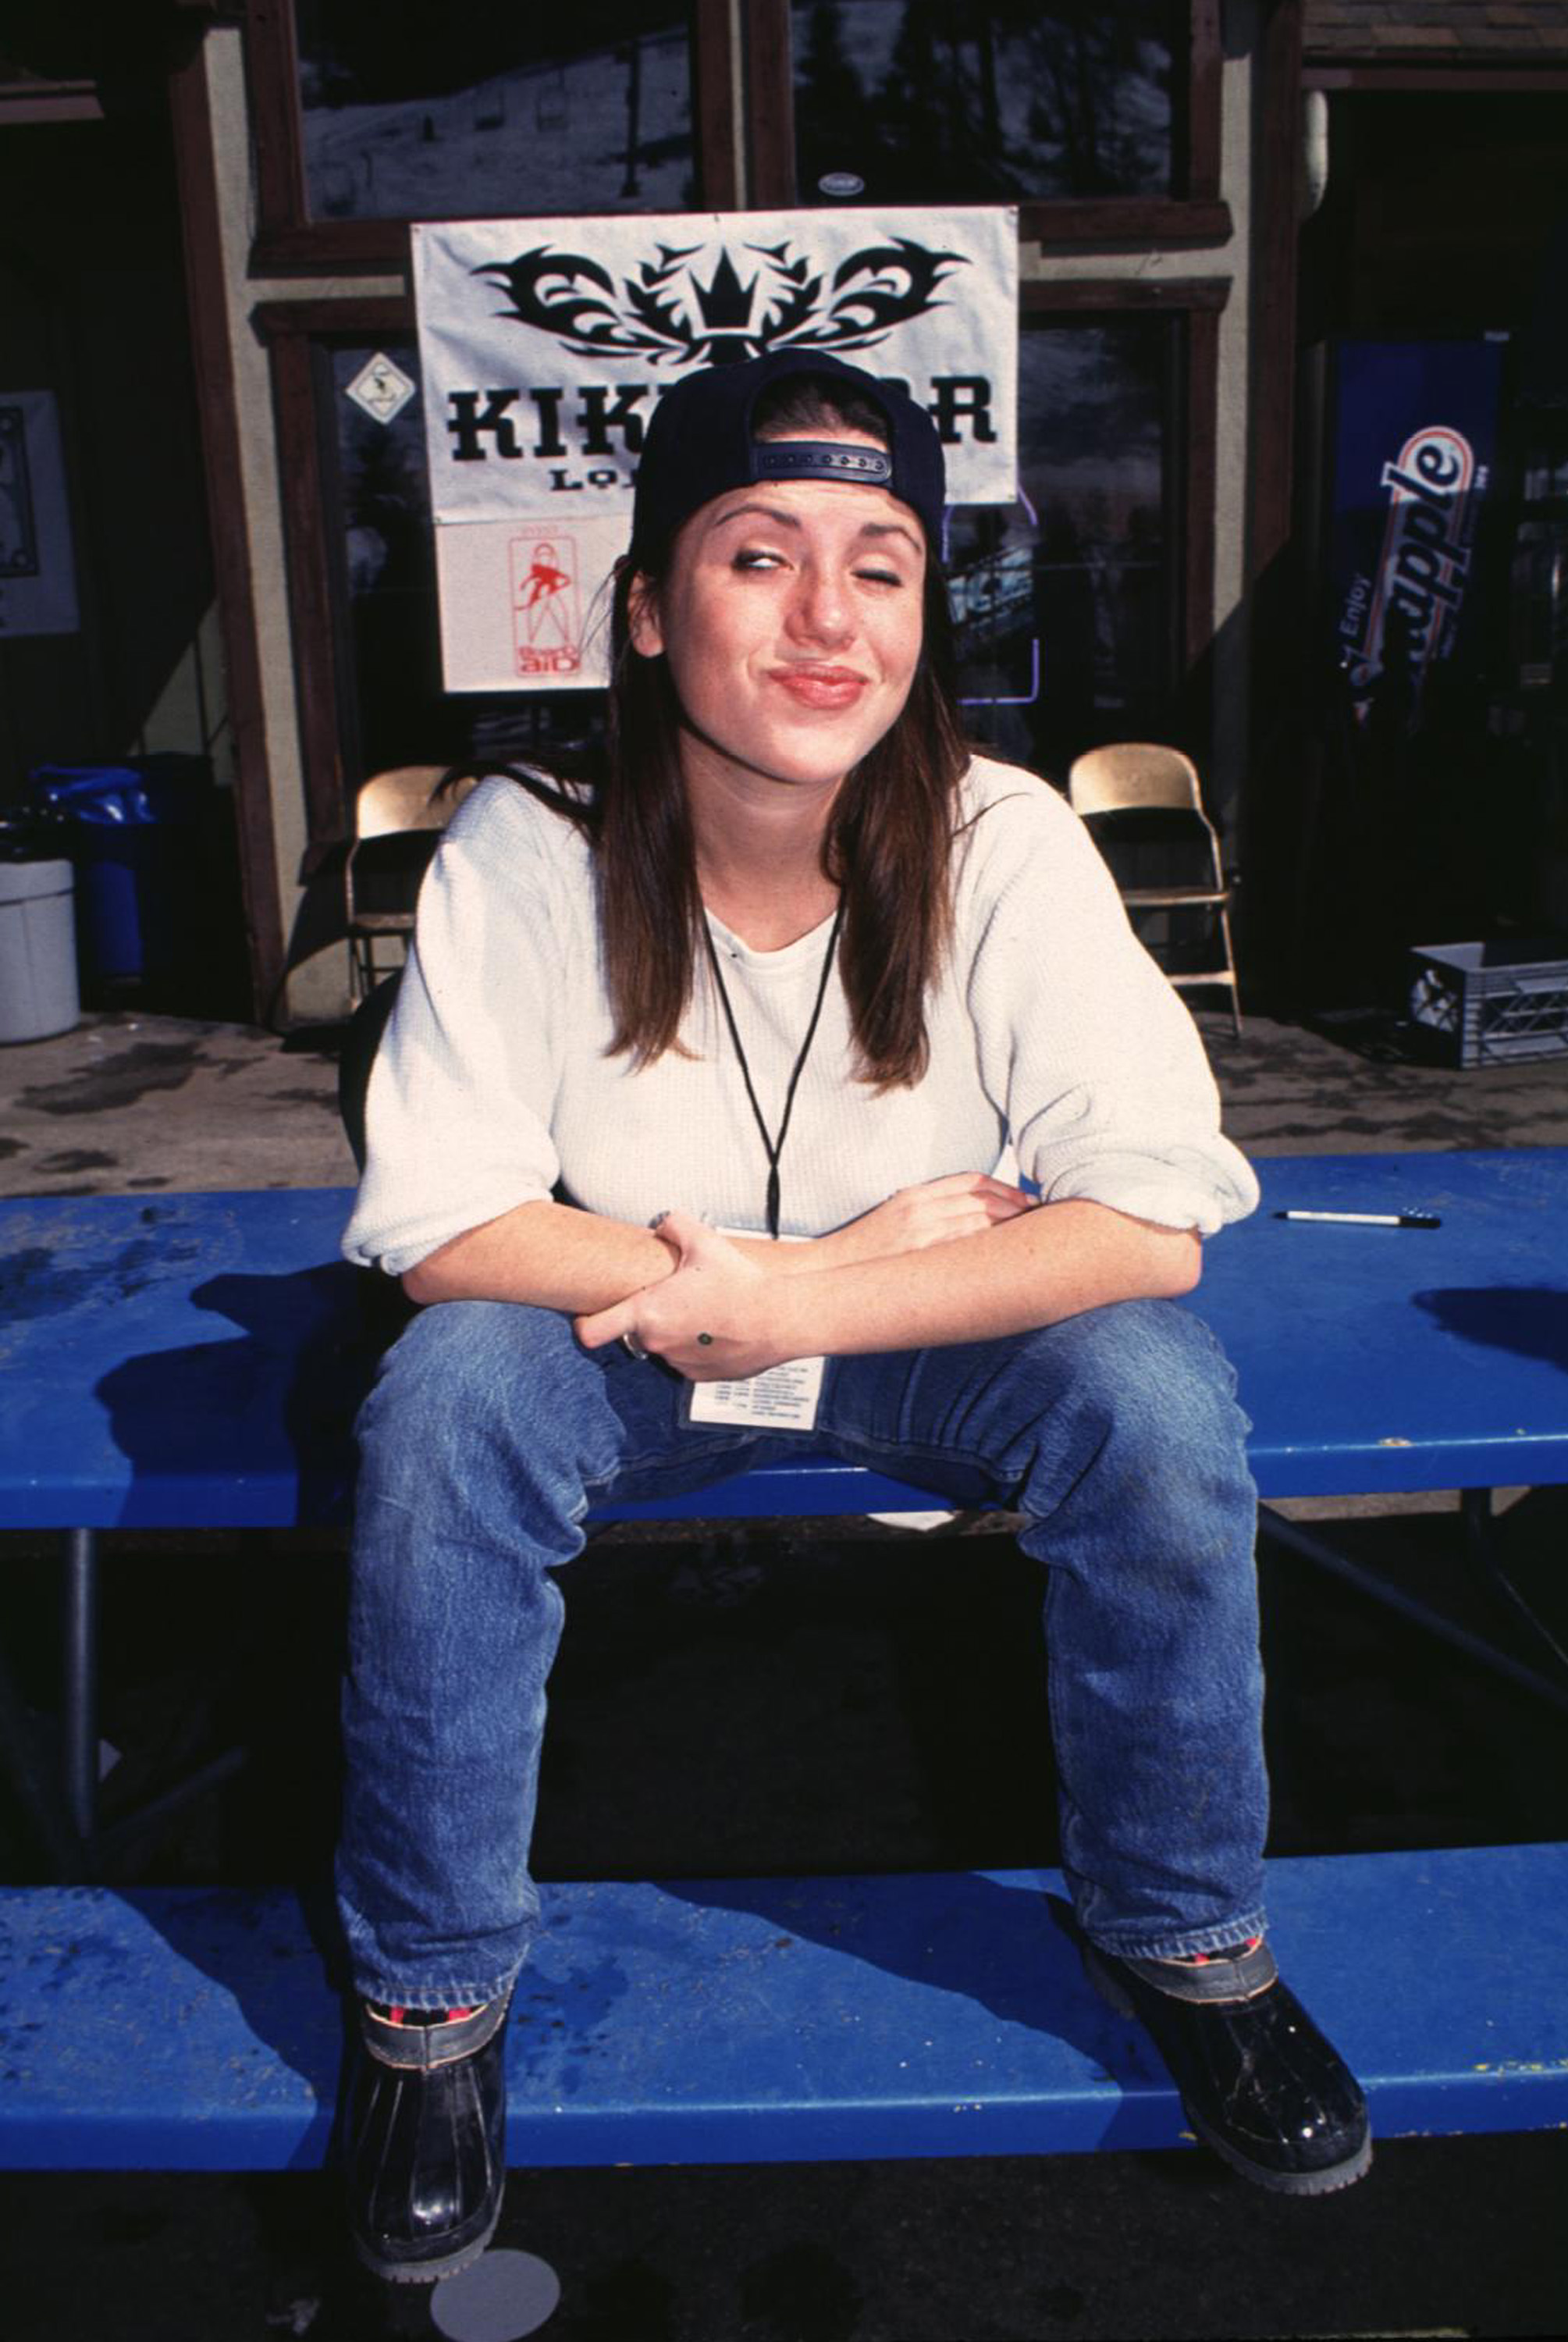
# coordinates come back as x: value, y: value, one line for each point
x: 1369, y: 1219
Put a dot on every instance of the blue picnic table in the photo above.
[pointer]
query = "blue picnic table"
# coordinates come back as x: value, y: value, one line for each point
x: 195, y: 1361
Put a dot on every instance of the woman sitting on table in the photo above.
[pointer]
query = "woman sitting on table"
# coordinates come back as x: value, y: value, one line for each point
x: 799, y: 965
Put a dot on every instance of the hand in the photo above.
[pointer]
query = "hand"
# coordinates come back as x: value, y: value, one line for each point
x: 715, y: 1291
x: 961, y: 1204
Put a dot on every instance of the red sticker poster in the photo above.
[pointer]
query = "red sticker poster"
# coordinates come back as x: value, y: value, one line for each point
x: 525, y: 605
x: 546, y: 606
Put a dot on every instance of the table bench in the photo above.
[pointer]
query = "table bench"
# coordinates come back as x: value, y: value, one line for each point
x: 193, y: 1361
x: 770, y: 2020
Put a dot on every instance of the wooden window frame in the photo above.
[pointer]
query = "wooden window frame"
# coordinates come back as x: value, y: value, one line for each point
x: 298, y: 333
x: 1194, y: 213
x: 289, y: 242
x: 207, y: 293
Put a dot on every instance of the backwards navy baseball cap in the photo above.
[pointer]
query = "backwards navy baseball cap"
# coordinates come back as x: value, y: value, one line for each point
x: 700, y: 443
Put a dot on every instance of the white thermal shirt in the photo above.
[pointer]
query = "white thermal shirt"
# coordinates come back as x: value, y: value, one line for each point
x: 1056, y: 1044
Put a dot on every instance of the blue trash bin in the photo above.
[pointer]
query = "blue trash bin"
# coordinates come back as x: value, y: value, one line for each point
x: 135, y: 834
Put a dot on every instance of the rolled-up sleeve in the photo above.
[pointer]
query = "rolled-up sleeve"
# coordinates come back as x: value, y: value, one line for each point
x: 457, y: 1112
x: 1097, y: 1062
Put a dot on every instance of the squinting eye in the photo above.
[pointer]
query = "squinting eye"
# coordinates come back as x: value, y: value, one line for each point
x: 880, y: 576
x: 753, y: 557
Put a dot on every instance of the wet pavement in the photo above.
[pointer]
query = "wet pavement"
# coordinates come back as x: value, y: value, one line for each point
x: 129, y: 1101
x: 874, y: 1703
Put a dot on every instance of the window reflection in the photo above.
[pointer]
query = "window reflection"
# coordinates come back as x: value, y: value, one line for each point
x: 916, y: 101
x: 457, y: 113
x: 1065, y: 600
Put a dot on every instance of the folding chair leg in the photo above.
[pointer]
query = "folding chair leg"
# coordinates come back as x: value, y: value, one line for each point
x: 1231, y: 965
x: 361, y: 966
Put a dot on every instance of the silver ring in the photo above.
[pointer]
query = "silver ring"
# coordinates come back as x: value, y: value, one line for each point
x: 632, y: 1347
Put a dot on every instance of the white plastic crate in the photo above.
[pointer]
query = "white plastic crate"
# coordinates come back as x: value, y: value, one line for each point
x: 1488, y: 1004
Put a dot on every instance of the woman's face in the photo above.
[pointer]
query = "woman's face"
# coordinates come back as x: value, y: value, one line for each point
x: 791, y: 615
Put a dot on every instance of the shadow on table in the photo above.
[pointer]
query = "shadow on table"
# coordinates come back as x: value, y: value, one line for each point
x: 1012, y: 1952
x: 258, y: 1431
x: 255, y: 1429
x: 279, y: 1954
x: 1529, y: 1319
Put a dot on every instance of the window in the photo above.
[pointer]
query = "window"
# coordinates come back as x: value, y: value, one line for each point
x: 366, y: 117
x: 930, y: 101
x: 1069, y: 603
x: 361, y: 572
x: 453, y: 113
x: 1099, y: 122
x: 1082, y: 609
x: 393, y: 705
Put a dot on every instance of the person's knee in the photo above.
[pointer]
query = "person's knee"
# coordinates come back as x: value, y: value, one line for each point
x: 1147, y: 1399
x: 1154, y: 1369
x: 447, y: 1357
x: 469, y: 1379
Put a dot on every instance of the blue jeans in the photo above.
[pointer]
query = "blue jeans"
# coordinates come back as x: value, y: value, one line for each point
x: 490, y: 1434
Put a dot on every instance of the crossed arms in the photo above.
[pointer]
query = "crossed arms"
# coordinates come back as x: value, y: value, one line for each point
x: 962, y: 1259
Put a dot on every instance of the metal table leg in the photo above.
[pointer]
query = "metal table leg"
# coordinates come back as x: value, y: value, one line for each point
x: 96, y: 1847
x: 1481, y: 1537
x: 79, y: 1713
x: 1475, y: 1646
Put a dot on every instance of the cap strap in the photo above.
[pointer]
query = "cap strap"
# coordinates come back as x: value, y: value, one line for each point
x: 821, y: 459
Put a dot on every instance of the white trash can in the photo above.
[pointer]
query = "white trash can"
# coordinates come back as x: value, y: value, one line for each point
x: 39, y: 993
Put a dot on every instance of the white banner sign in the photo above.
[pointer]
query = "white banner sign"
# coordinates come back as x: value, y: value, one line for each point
x: 544, y: 346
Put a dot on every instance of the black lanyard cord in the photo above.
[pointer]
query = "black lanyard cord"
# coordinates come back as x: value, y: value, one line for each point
x: 773, y: 1147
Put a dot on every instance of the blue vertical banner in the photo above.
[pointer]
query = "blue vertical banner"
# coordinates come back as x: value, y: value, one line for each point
x: 1415, y: 434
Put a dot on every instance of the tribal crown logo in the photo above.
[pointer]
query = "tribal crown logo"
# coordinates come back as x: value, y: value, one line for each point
x: 663, y: 314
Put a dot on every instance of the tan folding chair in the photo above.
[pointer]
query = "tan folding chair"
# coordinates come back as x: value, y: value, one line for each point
x: 403, y: 805
x: 1137, y: 776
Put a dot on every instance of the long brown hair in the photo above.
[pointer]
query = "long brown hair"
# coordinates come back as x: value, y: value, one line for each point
x: 887, y: 845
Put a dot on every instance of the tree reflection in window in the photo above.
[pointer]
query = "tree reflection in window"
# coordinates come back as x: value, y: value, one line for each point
x: 463, y: 112
x: 922, y: 101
